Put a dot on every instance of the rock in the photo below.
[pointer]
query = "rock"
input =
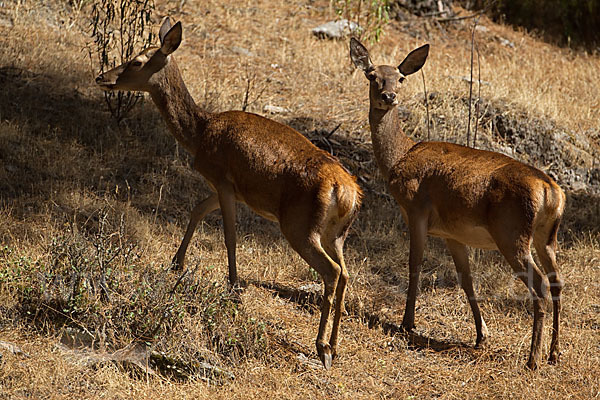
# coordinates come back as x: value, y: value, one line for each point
x: 275, y: 109
x: 335, y: 29
x: 311, y: 287
x: 567, y: 156
x: 13, y: 349
x: 242, y: 51
x: 506, y: 42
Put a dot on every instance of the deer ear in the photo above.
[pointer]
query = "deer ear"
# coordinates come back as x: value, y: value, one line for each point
x: 414, y: 60
x: 164, y: 28
x: 172, y: 39
x: 360, y: 55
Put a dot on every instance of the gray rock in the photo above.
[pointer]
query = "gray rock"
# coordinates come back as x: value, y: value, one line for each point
x: 242, y: 51
x: 506, y: 42
x: 335, y: 29
x: 275, y: 109
x: 311, y: 287
x: 12, y: 348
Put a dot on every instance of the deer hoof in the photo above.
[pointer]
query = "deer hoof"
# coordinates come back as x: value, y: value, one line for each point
x: 481, y: 342
x: 326, y: 359
x: 235, y: 292
x: 325, y: 355
x: 554, y: 357
x: 532, y: 364
x: 176, y: 265
x: 406, y: 328
x: 333, y: 352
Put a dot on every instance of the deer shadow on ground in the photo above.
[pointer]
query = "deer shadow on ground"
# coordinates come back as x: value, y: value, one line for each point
x: 309, y: 299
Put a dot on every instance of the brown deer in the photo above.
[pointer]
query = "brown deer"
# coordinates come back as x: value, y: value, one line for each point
x: 270, y: 167
x: 468, y: 197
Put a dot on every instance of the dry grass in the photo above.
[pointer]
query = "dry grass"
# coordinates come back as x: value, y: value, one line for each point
x: 66, y: 167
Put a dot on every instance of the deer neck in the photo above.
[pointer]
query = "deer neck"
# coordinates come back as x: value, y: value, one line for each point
x: 390, y: 143
x: 184, y: 118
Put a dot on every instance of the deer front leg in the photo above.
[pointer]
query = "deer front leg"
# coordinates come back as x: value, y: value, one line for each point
x: 227, y: 204
x: 460, y: 255
x: 206, y: 206
x: 418, y: 235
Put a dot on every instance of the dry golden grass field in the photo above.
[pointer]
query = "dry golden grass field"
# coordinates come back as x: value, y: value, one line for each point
x: 82, y: 196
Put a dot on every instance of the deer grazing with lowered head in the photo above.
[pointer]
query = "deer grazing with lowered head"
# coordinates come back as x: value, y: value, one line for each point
x: 468, y: 197
x: 270, y: 167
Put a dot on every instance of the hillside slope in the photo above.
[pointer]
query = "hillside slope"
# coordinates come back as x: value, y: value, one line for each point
x: 82, y: 197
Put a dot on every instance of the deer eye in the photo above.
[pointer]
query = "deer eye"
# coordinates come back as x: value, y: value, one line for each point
x: 136, y: 63
x: 401, y: 79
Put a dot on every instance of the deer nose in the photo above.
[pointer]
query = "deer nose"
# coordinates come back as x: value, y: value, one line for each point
x: 388, y: 97
x: 99, y: 78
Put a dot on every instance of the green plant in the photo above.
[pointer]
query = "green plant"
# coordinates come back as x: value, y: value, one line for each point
x: 371, y: 16
x: 118, y: 29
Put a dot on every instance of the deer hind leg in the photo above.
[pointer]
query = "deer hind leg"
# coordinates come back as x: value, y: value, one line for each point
x: 335, y: 251
x: 460, y: 256
x: 520, y: 259
x: 311, y: 251
x: 546, y: 251
x: 418, y: 235
x: 305, y: 239
x: 206, y: 206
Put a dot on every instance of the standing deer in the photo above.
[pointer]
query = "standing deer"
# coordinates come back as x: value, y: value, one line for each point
x: 268, y: 166
x: 468, y: 197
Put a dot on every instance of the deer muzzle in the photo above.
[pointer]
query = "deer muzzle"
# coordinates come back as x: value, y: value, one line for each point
x: 389, y: 98
x: 104, y: 82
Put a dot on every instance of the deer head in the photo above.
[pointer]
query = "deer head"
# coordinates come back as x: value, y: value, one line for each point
x: 386, y: 79
x: 144, y: 70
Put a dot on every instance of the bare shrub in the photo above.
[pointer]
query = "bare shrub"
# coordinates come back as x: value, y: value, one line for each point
x: 98, y: 283
x: 118, y: 29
